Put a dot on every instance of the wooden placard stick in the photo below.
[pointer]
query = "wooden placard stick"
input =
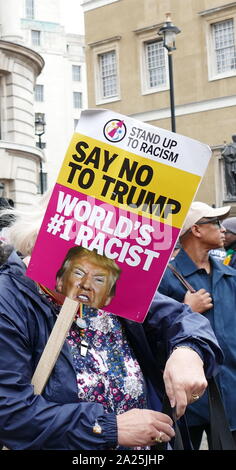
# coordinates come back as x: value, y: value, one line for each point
x: 54, y: 345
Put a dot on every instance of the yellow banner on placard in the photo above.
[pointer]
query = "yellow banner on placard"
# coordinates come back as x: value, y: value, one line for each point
x: 126, y: 180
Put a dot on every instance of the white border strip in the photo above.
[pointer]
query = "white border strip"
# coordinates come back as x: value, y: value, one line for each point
x: 92, y: 4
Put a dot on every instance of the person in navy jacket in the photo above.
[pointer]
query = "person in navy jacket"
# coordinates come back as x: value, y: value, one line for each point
x: 109, y: 397
x: 215, y: 299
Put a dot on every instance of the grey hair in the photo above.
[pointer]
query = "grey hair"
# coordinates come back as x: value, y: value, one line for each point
x: 22, y: 233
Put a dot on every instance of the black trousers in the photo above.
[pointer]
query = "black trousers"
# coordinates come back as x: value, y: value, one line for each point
x: 196, y: 433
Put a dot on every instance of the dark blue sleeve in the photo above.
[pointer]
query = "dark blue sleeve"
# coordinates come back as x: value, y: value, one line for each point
x: 173, y: 323
x: 32, y: 422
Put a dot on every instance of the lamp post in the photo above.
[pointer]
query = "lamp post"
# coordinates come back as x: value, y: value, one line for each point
x: 2, y: 187
x: 39, y: 131
x: 169, y: 31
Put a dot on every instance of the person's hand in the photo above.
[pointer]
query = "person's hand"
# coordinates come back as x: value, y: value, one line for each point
x: 184, y: 378
x: 199, y: 301
x: 143, y: 428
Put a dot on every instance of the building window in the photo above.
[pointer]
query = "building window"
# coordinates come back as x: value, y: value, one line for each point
x: 108, y: 74
x: 35, y: 38
x: 29, y: 9
x: 224, y: 46
x: 155, y: 64
x: 76, y: 73
x: 77, y: 99
x: 106, y: 70
x: 39, y: 93
x: 153, y: 61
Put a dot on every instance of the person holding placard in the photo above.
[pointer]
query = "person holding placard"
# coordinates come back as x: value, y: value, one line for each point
x: 108, y: 394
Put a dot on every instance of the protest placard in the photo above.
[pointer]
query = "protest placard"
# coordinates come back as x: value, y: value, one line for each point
x: 124, y: 190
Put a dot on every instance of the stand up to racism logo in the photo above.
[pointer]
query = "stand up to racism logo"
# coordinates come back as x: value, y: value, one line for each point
x: 114, y: 130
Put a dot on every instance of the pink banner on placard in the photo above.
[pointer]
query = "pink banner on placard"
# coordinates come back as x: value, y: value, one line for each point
x: 139, y: 245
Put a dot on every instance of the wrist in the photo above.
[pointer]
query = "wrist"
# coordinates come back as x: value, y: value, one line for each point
x: 192, y: 347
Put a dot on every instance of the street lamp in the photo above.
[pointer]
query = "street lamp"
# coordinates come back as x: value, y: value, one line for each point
x: 39, y: 131
x: 169, y: 31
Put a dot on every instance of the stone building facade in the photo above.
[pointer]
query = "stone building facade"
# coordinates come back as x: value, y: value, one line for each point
x: 19, y: 158
x: 42, y: 74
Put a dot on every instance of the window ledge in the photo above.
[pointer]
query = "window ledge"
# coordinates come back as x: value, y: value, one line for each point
x: 211, y: 11
x: 222, y: 76
x: 107, y: 100
x: 155, y: 90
